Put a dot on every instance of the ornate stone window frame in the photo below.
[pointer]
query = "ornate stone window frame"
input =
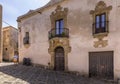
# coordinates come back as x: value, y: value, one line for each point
x: 101, y: 8
x: 59, y: 13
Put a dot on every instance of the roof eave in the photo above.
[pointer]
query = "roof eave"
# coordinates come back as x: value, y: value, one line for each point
x: 34, y: 12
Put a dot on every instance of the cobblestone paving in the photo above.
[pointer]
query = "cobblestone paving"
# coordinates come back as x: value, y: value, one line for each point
x: 19, y: 74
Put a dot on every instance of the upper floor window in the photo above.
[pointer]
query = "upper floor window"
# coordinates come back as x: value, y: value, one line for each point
x: 100, y: 19
x: 26, y: 38
x: 100, y: 23
x: 59, y: 24
x: 59, y: 17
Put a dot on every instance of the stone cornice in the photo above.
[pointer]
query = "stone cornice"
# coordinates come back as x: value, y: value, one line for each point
x: 39, y: 10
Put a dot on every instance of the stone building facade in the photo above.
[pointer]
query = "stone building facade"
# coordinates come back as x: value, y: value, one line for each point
x: 0, y: 33
x: 73, y: 35
x: 10, y: 43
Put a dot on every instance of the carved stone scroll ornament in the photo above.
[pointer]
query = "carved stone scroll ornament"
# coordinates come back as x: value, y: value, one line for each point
x: 59, y: 13
x: 100, y: 43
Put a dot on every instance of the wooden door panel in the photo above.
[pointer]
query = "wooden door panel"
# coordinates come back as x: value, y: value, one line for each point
x: 101, y: 64
x: 59, y: 59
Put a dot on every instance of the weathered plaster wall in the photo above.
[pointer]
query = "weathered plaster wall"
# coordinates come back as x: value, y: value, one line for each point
x: 81, y: 38
x: 115, y: 36
x: 38, y: 29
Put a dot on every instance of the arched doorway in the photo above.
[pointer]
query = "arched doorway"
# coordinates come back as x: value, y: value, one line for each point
x: 59, y: 59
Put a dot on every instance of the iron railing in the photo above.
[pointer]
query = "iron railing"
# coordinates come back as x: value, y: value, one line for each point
x: 64, y: 32
x: 101, y: 27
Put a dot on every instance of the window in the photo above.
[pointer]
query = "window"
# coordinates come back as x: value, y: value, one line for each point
x: 100, y: 23
x: 59, y: 24
x: 100, y: 19
x: 26, y: 38
x: 27, y: 34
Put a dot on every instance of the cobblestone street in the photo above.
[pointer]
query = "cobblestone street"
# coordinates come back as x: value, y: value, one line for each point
x: 19, y: 74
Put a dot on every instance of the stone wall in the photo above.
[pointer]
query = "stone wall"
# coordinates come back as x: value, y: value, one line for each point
x: 10, y: 42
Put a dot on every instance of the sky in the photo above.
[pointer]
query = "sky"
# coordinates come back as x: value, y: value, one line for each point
x: 14, y: 8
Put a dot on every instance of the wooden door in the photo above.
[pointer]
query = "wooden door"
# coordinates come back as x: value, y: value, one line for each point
x: 101, y: 64
x: 59, y: 59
